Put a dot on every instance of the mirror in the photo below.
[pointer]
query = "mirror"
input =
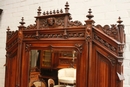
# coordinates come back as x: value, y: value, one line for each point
x: 45, y: 64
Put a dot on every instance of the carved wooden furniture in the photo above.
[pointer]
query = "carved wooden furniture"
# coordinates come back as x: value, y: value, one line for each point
x: 99, y: 49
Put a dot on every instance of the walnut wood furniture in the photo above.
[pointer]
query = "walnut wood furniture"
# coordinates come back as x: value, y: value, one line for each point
x: 99, y: 50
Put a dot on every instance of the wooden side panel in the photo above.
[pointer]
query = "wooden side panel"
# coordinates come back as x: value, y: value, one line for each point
x: 11, y: 72
x: 102, y: 68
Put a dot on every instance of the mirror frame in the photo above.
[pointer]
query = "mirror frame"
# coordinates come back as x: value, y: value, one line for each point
x: 33, y: 46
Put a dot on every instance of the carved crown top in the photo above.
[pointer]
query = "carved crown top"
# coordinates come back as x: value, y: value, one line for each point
x: 52, y: 13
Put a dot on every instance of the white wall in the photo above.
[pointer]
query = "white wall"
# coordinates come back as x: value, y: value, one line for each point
x: 104, y: 11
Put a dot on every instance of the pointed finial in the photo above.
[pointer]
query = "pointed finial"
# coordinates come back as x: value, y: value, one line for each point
x: 8, y: 29
x: 90, y: 15
x: 61, y: 11
x: 66, y: 7
x: 57, y: 11
x: 44, y: 13
x: 119, y: 20
x: 39, y: 11
x: 22, y: 21
x: 50, y: 12
x: 54, y: 12
x: 47, y: 13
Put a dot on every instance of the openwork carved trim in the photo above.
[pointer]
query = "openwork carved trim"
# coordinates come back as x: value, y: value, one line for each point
x: 106, y: 44
x: 112, y: 30
x: 31, y: 26
x: 12, y: 44
x: 74, y: 23
x: 10, y: 33
x: 56, y: 35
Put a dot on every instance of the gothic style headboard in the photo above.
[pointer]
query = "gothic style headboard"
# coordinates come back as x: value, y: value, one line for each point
x: 99, y: 48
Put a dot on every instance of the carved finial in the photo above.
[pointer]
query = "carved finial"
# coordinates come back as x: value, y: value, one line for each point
x: 90, y: 15
x: 50, y: 12
x: 61, y: 11
x: 66, y: 7
x: 8, y: 29
x: 47, y: 13
x: 44, y: 13
x: 119, y: 20
x: 22, y: 21
x: 39, y: 11
x: 57, y: 11
x: 54, y: 12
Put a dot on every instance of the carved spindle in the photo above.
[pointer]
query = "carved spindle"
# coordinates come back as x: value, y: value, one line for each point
x: 66, y: 7
x: 44, y: 13
x: 50, y: 12
x: 39, y: 11
x: 54, y: 12
x: 90, y: 15
x: 22, y: 22
x: 57, y: 11
x: 61, y: 11
x: 8, y: 29
x: 119, y: 21
x: 47, y: 13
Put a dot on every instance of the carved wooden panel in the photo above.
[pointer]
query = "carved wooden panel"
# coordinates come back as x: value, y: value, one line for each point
x: 103, y: 68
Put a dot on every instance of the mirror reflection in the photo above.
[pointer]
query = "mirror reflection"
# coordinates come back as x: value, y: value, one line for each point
x: 52, y: 68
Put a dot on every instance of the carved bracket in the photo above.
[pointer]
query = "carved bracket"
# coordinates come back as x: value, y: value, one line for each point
x: 27, y: 47
x: 80, y: 47
x: 112, y: 60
